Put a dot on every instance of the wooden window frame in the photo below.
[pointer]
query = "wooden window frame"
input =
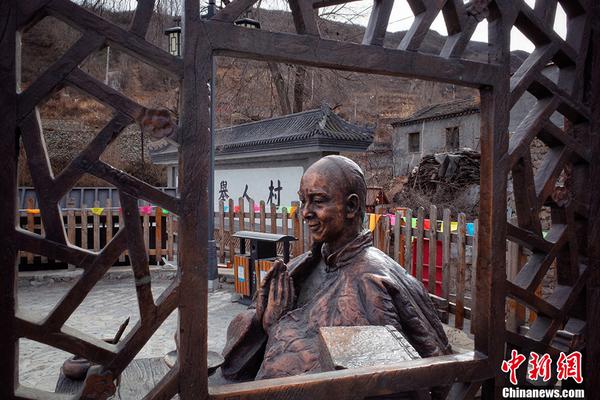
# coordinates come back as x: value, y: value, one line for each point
x: 452, y: 133
x: 411, y: 148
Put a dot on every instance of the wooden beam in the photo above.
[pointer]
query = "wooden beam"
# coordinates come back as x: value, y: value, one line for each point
x: 526, y: 202
x: 138, y: 256
x: 141, y: 333
x: 67, y: 339
x: 592, y: 93
x: 128, y: 42
x: 93, y: 272
x: 569, y: 106
x: 133, y: 186
x: 9, y: 141
x: 525, y: 74
x: 141, y: 18
x: 378, y: 23
x: 72, y: 172
x: 307, y: 50
x: 194, y: 173
x: 233, y: 10
x: 53, y: 77
x: 105, y: 94
x: 33, y: 243
x: 41, y: 174
x: 532, y: 300
x: 540, y: 33
x: 528, y: 239
x: 491, y: 263
x: 358, y: 383
x: 416, y: 33
x: 329, y: 3
x: 549, y: 172
x: 524, y: 134
x: 305, y: 17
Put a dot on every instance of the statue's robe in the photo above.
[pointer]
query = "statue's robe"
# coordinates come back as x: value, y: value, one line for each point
x: 361, y: 286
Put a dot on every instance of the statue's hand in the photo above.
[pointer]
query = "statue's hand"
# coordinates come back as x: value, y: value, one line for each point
x: 262, y: 296
x: 281, y: 295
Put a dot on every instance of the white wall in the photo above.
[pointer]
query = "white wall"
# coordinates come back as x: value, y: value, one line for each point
x: 258, y: 181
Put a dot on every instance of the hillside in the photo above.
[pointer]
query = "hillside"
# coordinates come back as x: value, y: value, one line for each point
x: 245, y: 89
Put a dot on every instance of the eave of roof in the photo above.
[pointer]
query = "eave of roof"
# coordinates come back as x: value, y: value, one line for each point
x: 440, y: 111
x: 319, y: 128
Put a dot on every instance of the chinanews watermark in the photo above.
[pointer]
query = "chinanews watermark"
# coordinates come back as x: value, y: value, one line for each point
x: 540, y: 369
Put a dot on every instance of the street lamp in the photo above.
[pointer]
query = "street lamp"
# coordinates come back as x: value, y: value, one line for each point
x: 174, y: 35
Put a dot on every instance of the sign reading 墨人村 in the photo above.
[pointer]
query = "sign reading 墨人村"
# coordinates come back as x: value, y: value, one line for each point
x: 277, y: 186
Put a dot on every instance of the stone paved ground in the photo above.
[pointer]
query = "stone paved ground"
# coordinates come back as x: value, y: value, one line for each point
x: 105, y: 308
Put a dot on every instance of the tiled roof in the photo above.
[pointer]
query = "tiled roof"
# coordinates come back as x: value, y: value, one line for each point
x: 313, y: 126
x: 440, y: 111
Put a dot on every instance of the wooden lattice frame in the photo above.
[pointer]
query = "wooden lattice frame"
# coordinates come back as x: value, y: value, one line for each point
x: 570, y: 242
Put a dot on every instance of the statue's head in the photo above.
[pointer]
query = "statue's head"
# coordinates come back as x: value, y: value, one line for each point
x: 333, y: 194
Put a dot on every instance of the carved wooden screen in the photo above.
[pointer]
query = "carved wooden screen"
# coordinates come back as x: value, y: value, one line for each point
x: 569, y: 242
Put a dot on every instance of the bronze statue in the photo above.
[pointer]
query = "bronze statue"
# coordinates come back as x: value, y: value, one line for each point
x: 342, y: 281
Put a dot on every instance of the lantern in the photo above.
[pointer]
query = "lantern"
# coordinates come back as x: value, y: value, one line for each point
x: 174, y: 35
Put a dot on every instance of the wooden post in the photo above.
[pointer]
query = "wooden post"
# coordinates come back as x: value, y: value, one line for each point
x: 273, y: 219
x: 146, y: 230
x: 419, y: 255
x: 194, y: 164
x: 301, y: 232
x: 158, y: 234
x: 43, y: 259
x: 30, y: 225
x: 242, y: 214
x: 9, y: 142
x: 460, y: 272
x: 591, y: 374
x: 296, y: 247
x: 109, y: 220
x: 398, y: 239
x: 263, y: 218
x: 474, y: 273
x: 96, y: 227
x: 386, y: 234
x: 252, y: 220
x: 121, y: 225
x: 408, y: 241
x: 432, y: 247
x: 377, y: 232
x: 517, y: 312
x: 84, y: 226
x: 170, y: 236
x: 231, y: 215
x: 491, y: 264
x: 284, y: 220
x: 221, y: 231
x: 71, y: 226
x: 446, y: 247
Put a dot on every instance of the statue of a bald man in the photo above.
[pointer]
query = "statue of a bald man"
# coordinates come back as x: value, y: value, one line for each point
x: 342, y: 281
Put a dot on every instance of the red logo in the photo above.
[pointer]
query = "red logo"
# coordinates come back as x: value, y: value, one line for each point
x: 569, y: 366
x: 512, y: 365
x: 540, y: 366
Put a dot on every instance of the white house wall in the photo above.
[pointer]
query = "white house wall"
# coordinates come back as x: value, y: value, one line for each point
x: 259, y: 180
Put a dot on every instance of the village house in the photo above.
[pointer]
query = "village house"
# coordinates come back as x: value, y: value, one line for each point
x: 450, y: 126
x: 264, y: 160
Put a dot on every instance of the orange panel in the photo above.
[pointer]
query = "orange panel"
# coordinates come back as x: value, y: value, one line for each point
x: 241, y: 273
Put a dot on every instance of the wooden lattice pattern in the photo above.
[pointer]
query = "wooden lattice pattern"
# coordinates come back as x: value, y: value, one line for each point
x: 462, y: 375
x: 568, y: 155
